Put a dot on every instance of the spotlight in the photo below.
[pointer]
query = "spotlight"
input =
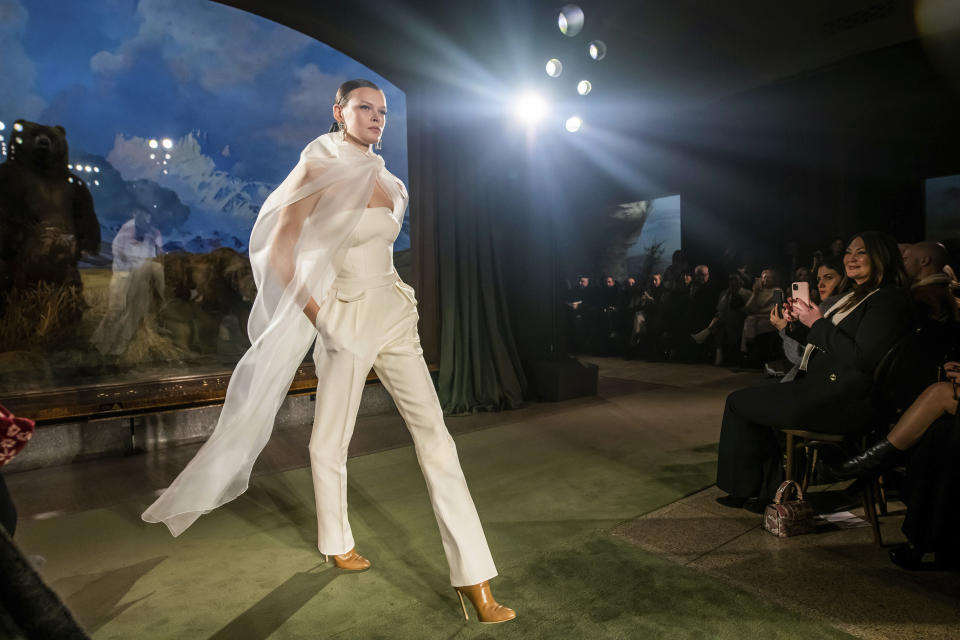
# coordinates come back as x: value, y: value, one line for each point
x: 96, y: 169
x: 17, y: 126
x: 88, y: 168
x: 570, y: 20
x: 584, y: 87
x: 167, y: 143
x: 597, y: 50
x: 554, y: 67
x: 2, y: 126
x: 531, y: 108
x: 153, y: 144
x: 165, y: 172
x: 70, y: 166
x: 153, y: 156
x: 573, y: 124
x: 167, y: 156
x: 96, y: 183
x: 19, y: 140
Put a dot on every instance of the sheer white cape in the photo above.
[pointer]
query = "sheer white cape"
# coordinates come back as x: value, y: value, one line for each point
x: 297, y: 247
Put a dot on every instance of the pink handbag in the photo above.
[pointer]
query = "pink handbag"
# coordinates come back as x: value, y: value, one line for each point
x: 785, y: 518
x: 15, y: 433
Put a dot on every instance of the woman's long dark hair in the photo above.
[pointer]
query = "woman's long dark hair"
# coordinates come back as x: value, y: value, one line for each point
x: 343, y: 95
x: 886, y: 266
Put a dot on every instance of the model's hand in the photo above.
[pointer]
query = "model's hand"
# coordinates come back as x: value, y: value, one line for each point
x: 806, y: 314
x: 776, y: 320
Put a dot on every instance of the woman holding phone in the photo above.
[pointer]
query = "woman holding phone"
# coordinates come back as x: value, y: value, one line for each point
x: 830, y: 286
x: 832, y: 392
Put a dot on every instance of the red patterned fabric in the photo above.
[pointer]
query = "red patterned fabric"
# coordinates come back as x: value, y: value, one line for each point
x: 15, y: 433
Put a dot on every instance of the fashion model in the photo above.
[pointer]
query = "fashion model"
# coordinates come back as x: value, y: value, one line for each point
x: 322, y: 256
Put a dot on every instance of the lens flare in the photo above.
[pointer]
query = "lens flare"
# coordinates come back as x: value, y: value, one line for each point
x: 570, y: 20
x: 153, y: 144
x: 554, y: 68
x: 597, y: 50
x: 573, y: 124
x: 167, y: 143
x: 584, y: 87
x: 531, y: 108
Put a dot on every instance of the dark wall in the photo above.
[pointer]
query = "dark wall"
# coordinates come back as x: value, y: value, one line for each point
x: 826, y: 154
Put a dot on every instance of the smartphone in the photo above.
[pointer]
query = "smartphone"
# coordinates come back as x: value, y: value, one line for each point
x: 801, y: 291
x: 778, y: 300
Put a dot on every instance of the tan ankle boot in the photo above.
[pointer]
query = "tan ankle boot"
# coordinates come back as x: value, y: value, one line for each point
x: 349, y: 561
x: 489, y: 611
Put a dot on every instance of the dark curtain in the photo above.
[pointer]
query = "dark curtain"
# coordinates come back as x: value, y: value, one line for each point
x: 458, y: 198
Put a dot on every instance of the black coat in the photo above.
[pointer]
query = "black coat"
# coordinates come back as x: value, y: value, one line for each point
x: 836, y: 387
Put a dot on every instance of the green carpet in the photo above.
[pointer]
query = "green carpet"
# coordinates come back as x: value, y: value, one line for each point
x: 548, y: 491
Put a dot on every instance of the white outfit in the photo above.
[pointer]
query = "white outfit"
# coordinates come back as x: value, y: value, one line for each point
x: 369, y: 319
x: 315, y: 238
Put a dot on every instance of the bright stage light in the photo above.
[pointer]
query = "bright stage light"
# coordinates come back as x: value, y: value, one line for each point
x: 570, y: 20
x: 531, y: 108
x: 17, y: 126
x: 597, y: 50
x: 167, y: 143
x: 584, y: 87
x: 2, y: 126
x: 554, y: 67
x: 573, y: 124
x: 153, y: 144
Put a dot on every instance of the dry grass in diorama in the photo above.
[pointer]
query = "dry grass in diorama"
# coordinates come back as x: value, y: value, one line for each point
x: 39, y: 316
x: 149, y: 346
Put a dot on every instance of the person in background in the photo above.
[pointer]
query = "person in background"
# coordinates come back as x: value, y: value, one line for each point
x: 843, y: 350
x: 727, y: 323
x: 925, y: 263
x: 758, y: 307
x: 830, y: 286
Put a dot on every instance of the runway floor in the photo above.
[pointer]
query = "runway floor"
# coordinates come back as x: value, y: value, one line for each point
x: 599, y: 512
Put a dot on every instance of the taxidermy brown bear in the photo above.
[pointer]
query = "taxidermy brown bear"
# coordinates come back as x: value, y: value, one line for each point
x: 203, y: 289
x: 46, y: 220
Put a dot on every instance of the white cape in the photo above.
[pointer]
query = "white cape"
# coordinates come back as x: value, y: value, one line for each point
x: 297, y: 247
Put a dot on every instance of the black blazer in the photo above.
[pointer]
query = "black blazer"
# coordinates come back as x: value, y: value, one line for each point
x: 840, y: 371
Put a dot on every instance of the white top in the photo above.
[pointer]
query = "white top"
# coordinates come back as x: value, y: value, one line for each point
x: 305, y: 230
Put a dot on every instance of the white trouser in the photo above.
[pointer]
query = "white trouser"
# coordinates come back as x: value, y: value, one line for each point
x: 376, y: 327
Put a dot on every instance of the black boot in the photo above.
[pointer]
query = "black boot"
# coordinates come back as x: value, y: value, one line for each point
x: 877, y: 458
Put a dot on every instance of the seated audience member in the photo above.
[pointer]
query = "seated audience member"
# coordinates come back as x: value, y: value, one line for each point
x: 645, y: 310
x: 930, y: 431
x: 828, y: 291
x: 929, y: 284
x: 727, y: 323
x: 837, y: 248
x: 581, y: 312
x: 801, y: 274
x: 703, y: 298
x: 610, y: 320
x: 758, y: 308
x: 834, y: 392
x: 673, y: 274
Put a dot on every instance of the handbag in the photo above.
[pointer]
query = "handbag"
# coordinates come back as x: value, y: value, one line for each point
x: 785, y: 518
x: 15, y: 433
